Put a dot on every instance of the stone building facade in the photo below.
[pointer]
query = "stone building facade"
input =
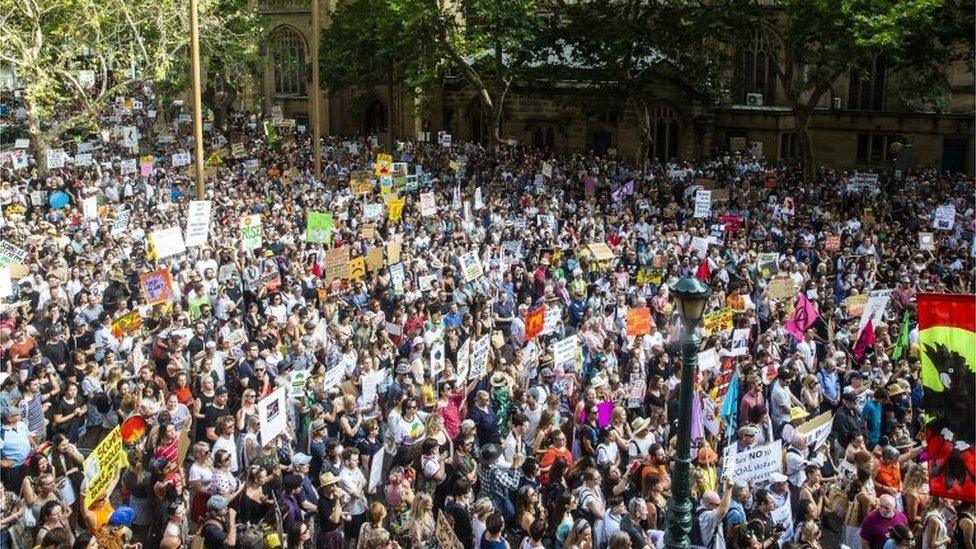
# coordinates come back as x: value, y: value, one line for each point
x: 860, y: 123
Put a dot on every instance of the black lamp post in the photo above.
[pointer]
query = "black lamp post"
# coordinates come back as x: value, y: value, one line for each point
x: 691, y: 295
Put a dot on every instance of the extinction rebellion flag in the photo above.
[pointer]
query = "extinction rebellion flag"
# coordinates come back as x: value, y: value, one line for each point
x: 947, y: 348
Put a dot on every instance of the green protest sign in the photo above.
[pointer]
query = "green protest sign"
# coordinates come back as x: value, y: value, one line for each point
x: 318, y: 227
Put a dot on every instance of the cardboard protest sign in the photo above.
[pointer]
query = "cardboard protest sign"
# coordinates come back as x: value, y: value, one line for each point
x: 782, y: 288
x: 251, y: 232
x: 157, y: 286
x: 817, y: 429
x: 601, y: 252
x: 103, y: 464
x: 336, y: 263
x: 393, y: 251
x: 318, y: 228
x: 717, y: 321
x: 360, y: 183
x: 639, y: 321
x: 273, y: 415
x: 471, y: 266
x: 167, y: 242
x: 720, y: 195
x: 374, y: 259
x: 198, y: 222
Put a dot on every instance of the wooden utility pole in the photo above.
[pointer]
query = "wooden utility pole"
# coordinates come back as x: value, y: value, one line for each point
x: 314, y: 94
x: 197, y: 103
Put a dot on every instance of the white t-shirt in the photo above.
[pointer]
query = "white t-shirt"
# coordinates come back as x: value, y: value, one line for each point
x: 226, y: 444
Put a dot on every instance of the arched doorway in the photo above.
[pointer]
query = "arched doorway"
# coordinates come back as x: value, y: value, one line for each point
x: 375, y: 119
x: 479, y: 121
x: 289, y: 69
x: 665, y: 131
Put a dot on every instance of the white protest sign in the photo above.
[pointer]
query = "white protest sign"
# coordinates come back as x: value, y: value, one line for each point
x: 128, y: 165
x: 708, y: 360
x: 428, y: 204
x: 22, y: 143
x: 463, y: 365
x: 6, y: 284
x: 298, y: 380
x: 564, y: 352
x: 10, y: 254
x: 167, y: 242
x: 437, y: 357
x: 875, y: 307
x: 89, y: 207
x: 756, y: 464
x: 547, y: 169
x: 945, y: 217
x: 740, y: 342
x: 56, y: 159
x: 370, y: 383
x: 376, y: 470
x: 700, y: 246
x: 397, y: 276
x: 479, y: 202
x: 198, y: 222
x: 121, y: 222
x: 817, y: 429
x: 251, y: 231
x: 479, y: 357
x: 373, y: 211
x: 129, y: 136
x: 783, y: 516
x: 703, y: 204
x: 273, y: 415
x: 862, y: 181
x: 471, y: 266
x: 334, y: 375
x: 181, y: 158
x: 551, y: 320
x: 926, y: 241
x: 83, y: 159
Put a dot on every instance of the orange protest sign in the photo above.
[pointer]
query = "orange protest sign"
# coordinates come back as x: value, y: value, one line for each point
x: 534, y: 323
x: 157, y: 286
x: 639, y: 321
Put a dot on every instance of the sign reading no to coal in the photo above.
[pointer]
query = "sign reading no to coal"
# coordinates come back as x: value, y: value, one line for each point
x: 756, y: 464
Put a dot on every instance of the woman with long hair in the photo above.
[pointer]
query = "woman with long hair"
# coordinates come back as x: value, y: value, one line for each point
x: 199, y: 477
x: 136, y: 492
x: 254, y: 505
x: 375, y: 517
x: 422, y: 527
x: 300, y: 535
x: 223, y: 481
x: 528, y: 508
x: 580, y: 536
x: 52, y: 515
x: 915, y: 490
x: 167, y: 444
x: 935, y: 532
x: 651, y: 491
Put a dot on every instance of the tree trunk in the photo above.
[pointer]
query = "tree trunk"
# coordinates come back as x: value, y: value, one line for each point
x: 38, y: 141
x: 807, y: 161
x: 644, y: 151
x: 495, y: 129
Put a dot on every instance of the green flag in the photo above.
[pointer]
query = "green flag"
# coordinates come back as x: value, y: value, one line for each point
x: 902, y: 338
x: 318, y: 228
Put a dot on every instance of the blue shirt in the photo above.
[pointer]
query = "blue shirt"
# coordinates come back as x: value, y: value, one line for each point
x: 829, y: 385
x: 872, y: 416
x: 16, y: 443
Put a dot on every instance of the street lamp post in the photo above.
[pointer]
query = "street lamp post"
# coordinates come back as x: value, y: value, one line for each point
x: 197, y: 101
x: 691, y: 295
x: 314, y: 95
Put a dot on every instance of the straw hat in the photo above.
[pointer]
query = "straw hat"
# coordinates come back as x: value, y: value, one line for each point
x: 639, y: 424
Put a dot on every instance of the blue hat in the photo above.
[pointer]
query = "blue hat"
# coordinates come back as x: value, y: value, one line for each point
x: 123, y: 516
x: 301, y: 459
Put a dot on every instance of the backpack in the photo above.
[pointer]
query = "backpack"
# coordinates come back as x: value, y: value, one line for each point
x: 696, y: 536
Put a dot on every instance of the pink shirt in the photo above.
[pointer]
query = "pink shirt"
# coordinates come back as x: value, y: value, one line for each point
x: 452, y: 415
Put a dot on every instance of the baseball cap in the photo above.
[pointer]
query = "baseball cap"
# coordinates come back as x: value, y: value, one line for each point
x: 217, y: 502
x: 301, y: 459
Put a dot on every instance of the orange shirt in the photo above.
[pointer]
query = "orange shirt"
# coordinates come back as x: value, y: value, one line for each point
x: 889, y: 474
x: 550, y: 457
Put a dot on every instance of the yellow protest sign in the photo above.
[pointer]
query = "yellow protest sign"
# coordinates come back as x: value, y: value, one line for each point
x: 396, y: 209
x: 103, y: 464
x: 601, y: 252
x: 357, y: 268
x: 127, y: 324
x: 374, y: 259
x: 717, y: 321
x: 383, y: 167
x: 214, y: 159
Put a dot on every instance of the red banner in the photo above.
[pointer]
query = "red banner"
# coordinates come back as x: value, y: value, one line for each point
x: 535, y: 321
x: 947, y: 349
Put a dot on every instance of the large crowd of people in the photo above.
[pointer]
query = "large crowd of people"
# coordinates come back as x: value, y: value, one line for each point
x: 477, y: 347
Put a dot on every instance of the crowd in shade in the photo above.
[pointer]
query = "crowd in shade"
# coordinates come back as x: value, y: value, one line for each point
x: 444, y: 344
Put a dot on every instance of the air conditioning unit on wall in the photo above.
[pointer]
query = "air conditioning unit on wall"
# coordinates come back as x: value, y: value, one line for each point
x: 754, y: 99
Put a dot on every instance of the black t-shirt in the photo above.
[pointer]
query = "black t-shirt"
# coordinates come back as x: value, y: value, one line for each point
x: 325, y: 507
x: 210, y: 415
x: 56, y: 352
x: 71, y: 427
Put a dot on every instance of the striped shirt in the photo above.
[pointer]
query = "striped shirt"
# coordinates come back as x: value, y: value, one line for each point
x: 34, y: 414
